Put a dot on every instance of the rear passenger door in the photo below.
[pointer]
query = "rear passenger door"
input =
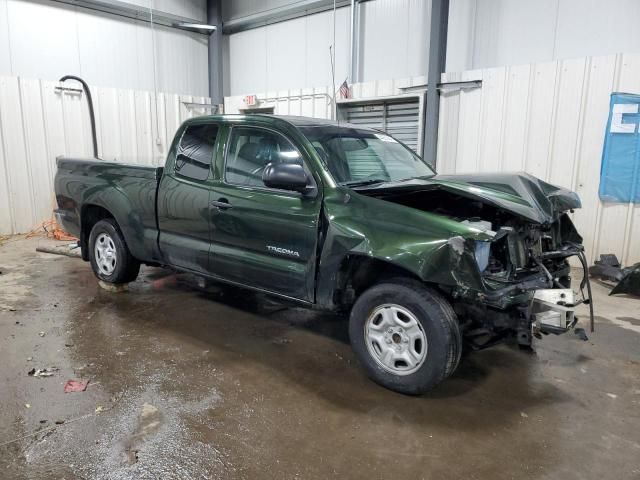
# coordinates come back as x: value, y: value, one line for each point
x: 263, y: 237
x: 183, y: 199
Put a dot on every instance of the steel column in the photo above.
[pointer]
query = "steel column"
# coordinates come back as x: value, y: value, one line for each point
x: 214, y: 17
x: 353, y: 55
x: 437, y: 62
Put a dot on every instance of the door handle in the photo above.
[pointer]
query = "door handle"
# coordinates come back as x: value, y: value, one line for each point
x: 221, y: 204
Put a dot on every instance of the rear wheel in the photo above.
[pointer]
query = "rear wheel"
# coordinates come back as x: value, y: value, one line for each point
x: 406, y: 335
x: 110, y: 258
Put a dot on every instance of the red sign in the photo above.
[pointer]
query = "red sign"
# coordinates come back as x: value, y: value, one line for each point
x: 250, y: 100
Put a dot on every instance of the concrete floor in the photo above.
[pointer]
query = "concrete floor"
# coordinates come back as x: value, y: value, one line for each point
x: 222, y: 383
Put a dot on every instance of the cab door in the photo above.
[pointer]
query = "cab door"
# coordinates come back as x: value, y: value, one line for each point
x: 263, y: 237
x: 183, y: 199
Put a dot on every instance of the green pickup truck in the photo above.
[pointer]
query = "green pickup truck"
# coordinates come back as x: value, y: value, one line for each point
x: 338, y: 217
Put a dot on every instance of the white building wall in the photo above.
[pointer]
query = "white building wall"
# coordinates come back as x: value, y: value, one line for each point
x: 491, y: 33
x: 289, y: 54
x: 45, y: 39
x: 394, y: 36
x: 548, y: 119
x: 394, y: 39
x: 37, y: 124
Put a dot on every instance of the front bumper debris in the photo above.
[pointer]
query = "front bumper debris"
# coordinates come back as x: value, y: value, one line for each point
x: 553, y: 311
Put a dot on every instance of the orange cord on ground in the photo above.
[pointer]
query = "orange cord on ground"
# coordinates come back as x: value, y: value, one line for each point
x: 50, y: 229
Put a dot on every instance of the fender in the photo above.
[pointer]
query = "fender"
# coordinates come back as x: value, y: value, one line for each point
x: 432, y: 248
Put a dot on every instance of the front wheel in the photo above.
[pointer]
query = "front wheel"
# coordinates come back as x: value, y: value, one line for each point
x: 406, y: 335
x: 110, y: 258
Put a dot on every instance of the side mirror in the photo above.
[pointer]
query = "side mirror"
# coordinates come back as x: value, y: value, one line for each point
x: 287, y: 176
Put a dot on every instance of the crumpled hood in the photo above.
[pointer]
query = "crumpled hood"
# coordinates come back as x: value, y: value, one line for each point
x: 519, y: 193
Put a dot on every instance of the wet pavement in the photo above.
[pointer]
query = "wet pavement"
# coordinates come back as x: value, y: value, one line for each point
x: 194, y: 382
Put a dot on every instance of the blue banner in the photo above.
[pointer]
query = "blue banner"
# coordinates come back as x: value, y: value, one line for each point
x: 620, y: 169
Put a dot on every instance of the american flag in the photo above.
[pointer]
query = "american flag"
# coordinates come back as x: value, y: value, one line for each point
x: 345, y: 91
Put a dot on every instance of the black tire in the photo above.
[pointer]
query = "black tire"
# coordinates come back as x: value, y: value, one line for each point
x: 126, y: 267
x: 439, y: 325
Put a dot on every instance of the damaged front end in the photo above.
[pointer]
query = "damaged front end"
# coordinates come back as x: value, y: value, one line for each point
x: 525, y: 282
x: 510, y: 272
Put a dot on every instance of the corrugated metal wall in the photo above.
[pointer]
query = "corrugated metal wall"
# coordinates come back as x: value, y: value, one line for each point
x: 394, y: 36
x: 491, y: 33
x: 548, y: 119
x: 37, y: 124
x: 45, y: 39
x: 394, y: 39
x: 289, y: 54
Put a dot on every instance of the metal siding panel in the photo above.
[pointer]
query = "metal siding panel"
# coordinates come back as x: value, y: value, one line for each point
x: 15, y: 153
x: 181, y: 61
x: 248, y: 61
x: 172, y: 113
x: 509, y: 32
x: 630, y: 82
x: 616, y: 24
x: 98, y: 57
x: 492, y: 121
x: 381, y: 53
x: 295, y: 103
x: 5, y: 51
x: 469, y: 126
x: 596, y: 112
x: 144, y: 146
x: 572, y: 94
x: 108, y: 114
x: 43, y: 39
x: 286, y: 54
x: 317, y: 62
x: 39, y: 164
x: 448, y: 131
x: 417, y: 54
x: 127, y: 125
x: 6, y: 213
x: 460, y: 35
x: 321, y: 105
x: 542, y: 100
x: 53, y: 123
x: 161, y: 150
x: 618, y: 230
x: 515, y: 111
x: 306, y: 103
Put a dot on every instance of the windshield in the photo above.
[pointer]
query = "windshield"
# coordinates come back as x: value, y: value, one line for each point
x: 355, y: 156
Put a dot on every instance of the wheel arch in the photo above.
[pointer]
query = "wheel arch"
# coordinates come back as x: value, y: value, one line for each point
x: 90, y: 214
x: 357, y: 273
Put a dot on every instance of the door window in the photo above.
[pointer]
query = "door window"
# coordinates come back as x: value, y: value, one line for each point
x: 195, y: 151
x: 251, y: 150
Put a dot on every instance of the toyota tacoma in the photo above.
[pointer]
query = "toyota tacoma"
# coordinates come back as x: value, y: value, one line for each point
x: 343, y: 218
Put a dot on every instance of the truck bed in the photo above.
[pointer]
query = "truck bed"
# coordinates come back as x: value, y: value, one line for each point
x: 127, y: 191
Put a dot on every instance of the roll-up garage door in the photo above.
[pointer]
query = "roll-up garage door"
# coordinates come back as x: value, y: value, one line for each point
x: 399, y: 118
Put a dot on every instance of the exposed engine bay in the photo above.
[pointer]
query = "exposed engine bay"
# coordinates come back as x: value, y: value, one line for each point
x: 524, y: 268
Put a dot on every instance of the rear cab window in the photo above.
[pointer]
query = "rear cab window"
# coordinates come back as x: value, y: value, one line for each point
x: 195, y: 151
